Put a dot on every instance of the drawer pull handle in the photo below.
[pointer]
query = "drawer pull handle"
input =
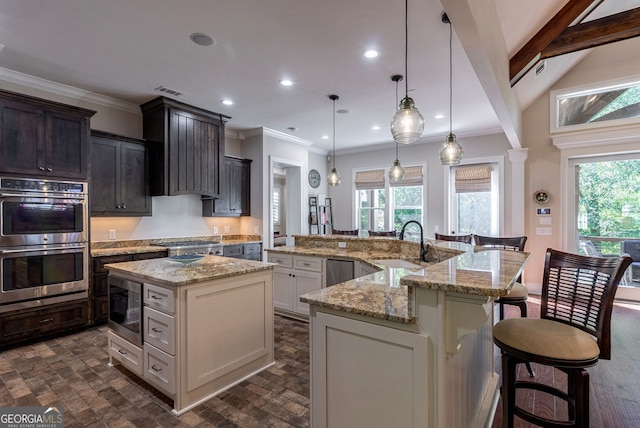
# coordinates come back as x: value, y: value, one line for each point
x: 155, y: 330
x: 156, y: 369
x: 153, y: 296
x: 122, y: 351
x: 306, y: 264
x: 45, y: 320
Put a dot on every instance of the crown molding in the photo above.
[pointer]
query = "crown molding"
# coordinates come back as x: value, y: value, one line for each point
x: 66, y: 90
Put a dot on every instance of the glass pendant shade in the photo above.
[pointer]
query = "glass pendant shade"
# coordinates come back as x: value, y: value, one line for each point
x: 396, y: 173
x: 407, y: 124
x: 333, y: 178
x: 451, y: 151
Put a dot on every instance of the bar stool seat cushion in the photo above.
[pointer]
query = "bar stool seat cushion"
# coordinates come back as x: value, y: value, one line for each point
x: 518, y: 291
x: 541, y: 340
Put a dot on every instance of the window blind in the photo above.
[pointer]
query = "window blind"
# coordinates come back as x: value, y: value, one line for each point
x: 473, y: 179
x: 373, y: 179
x: 412, y: 177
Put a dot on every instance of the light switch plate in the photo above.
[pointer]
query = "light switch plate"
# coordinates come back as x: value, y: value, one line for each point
x: 545, y: 220
x: 112, y: 234
x: 543, y: 231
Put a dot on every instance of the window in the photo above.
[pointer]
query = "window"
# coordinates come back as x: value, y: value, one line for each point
x: 595, y: 106
x: 276, y: 207
x: 475, y: 200
x: 384, y: 206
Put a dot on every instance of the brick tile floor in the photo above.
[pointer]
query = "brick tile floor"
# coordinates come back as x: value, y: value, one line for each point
x: 72, y: 372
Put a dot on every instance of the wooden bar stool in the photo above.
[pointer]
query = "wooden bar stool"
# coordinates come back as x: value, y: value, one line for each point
x: 345, y: 232
x: 573, y: 332
x: 383, y: 233
x: 518, y: 294
x: 455, y: 238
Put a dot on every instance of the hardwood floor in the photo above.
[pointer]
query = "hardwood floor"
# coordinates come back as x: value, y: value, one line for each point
x: 72, y: 372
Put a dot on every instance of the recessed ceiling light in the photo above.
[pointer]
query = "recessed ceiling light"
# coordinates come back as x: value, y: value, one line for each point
x: 376, y: 127
x: 286, y: 82
x: 325, y: 137
x: 371, y: 53
x: 202, y: 39
x: 439, y: 116
x: 227, y: 102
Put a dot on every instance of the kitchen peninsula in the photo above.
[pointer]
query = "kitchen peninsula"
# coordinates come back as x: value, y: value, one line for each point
x: 206, y: 325
x: 409, y: 345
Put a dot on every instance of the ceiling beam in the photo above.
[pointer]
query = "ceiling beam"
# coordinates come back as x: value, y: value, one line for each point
x: 609, y: 29
x: 529, y: 54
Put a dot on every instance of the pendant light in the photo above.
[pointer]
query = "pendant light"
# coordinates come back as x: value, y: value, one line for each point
x: 334, y: 178
x: 396, y: 173
x: 407, y: 124
x: 451, y: 150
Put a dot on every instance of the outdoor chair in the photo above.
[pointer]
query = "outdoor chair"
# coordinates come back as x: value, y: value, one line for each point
x: 632, y: 248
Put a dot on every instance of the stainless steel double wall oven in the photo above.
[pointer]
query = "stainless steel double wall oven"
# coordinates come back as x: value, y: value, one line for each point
x: 44, y: 255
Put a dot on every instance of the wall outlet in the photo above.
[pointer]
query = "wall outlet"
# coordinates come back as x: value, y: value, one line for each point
x: 112, y: 234
x: 342, y: 245
x: 256, y: 230
x: 227, y: 229
x: 215, y: 230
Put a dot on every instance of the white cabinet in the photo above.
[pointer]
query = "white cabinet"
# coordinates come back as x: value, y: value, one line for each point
x: 295, y: 276
x: 159, y: 337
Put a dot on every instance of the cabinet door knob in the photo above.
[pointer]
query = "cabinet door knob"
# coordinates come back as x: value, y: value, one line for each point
x: 49, y: 169
x: 124, y: 207
x: 41, y: 168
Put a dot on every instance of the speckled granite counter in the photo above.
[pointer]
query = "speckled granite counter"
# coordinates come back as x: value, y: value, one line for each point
x: 389, y: 294
x: 173, y: 273
x: 114, y: 248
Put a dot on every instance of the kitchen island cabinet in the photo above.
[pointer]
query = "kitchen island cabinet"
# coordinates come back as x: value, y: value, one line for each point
x: 207, y: 326
x: 406, y: 346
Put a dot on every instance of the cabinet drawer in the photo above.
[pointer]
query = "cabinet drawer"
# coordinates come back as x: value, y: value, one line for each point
x: 159, y: 298
x: 284, y: 260
x: 252, y: 248
x: 313, y: 264
x: 128, y: 354
x: 159, y: 369
x: 99, y: 262
x: 232, y: 250
x: 159, y: 330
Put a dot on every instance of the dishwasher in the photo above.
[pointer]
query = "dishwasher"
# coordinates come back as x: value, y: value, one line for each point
x: 339, y: 271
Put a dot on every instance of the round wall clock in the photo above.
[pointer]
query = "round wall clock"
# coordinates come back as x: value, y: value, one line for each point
x: 314, y: 178
x: 541, y: 196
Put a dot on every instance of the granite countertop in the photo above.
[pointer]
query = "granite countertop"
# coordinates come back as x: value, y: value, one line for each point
x: 166, y: 271
x: 386, y: 294
x: 114, y: 248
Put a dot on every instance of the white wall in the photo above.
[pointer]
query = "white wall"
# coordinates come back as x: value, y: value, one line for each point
x: 418, y: 153
x: 605, y: 63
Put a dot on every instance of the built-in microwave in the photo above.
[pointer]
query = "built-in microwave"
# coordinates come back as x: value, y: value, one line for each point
x: 125, y: 309
x: 40, y: 212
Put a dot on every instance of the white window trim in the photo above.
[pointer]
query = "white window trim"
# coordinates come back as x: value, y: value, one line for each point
x: 585, y: 90
x: 450, y: 191
x: 387, y: 213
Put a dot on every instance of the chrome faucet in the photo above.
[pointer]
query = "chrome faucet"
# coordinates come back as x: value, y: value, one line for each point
x: 423, y: 250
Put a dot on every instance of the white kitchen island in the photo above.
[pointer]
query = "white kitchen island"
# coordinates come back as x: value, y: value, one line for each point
x: 206, y: 327
x: 408, y: 347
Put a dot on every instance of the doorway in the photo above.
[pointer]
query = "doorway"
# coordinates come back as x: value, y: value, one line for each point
x: 606, y: 211
x: 285, y: 200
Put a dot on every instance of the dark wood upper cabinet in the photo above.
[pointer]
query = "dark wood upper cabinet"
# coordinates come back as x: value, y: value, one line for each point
x: 41, y: 138
x: 119, y: 184
x: 186, y: 145
x: 235, y: 194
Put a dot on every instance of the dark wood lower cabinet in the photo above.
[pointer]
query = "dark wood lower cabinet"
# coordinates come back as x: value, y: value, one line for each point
x: 99, y: 282
x: 42, y: 322
x: 251, y: 251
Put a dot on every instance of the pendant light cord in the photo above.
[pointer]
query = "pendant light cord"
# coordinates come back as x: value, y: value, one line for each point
x: 334, y: 133
x: 398, y: 79
x: 450, y: 78
x: 406, y: 48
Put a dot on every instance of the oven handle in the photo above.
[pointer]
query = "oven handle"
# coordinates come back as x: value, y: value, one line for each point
x: 71, y: 196
x: 23, y: 250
